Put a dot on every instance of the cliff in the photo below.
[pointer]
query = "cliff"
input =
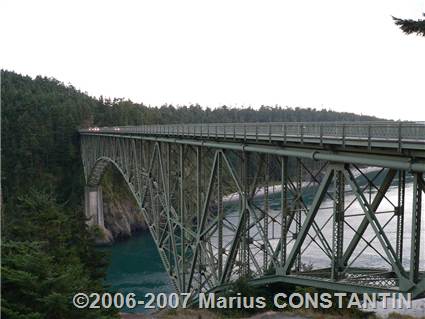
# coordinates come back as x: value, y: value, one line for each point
x: 121, y: 213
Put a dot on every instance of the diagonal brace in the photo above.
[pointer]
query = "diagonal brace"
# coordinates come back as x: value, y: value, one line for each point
x: 321, y: 192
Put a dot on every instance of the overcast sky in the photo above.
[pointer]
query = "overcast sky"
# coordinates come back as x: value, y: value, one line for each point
x: 343, y: 55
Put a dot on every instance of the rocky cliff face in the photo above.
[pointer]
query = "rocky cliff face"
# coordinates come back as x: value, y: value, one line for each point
x: 122, y: 216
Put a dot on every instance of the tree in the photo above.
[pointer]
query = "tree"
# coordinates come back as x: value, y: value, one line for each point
x: 45, y: 262
x: 411, y: 26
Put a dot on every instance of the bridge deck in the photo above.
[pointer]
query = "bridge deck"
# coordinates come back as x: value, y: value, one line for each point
x: 390, y: 136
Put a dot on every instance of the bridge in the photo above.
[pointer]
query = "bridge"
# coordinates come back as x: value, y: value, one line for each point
x: 333, y: 205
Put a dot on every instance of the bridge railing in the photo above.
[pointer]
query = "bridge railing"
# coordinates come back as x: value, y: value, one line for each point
x: 396, y: 131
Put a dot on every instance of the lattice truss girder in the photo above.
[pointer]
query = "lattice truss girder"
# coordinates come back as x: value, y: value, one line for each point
x: 217, y: 215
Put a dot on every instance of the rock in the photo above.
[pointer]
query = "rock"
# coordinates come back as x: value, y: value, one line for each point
x: 105, y: 237
x: 121, y: 214
x: 122, y: 218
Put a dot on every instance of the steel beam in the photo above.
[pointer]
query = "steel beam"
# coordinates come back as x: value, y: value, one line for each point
x: 307, y: 281
x: 308, y: 221
x: 220, y: 215
x: 388, y: 161
x: 399, y: 211
x: 415, y: 245
x: 266, y: 213
x: 338, y: 223
x: 379, y: 232
x: 365, y: 222
x: 284, y: 210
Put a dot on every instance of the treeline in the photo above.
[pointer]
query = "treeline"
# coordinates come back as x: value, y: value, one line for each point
x: 48, y: 252
x: 122, y: 112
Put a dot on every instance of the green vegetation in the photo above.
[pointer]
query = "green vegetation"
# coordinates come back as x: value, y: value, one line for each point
x: 46, y: 259
x: 410, y: 26
x: 47, y: 250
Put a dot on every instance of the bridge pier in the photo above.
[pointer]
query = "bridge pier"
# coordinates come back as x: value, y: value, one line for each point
x: 93, y: 206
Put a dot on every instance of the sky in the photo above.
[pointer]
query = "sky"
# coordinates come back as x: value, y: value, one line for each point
x: 335, y: 54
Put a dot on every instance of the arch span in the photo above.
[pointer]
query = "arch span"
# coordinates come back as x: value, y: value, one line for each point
x: 145, y: 186
x: 98, y: 170
x: 93, y: 202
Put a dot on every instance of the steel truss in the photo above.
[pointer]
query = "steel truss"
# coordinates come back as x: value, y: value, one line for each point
x: 220, y: 213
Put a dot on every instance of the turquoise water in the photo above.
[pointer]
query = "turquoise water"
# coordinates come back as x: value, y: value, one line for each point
x: 135, y: 267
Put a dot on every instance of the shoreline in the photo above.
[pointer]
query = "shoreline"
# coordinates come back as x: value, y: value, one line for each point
x: 276, y: 188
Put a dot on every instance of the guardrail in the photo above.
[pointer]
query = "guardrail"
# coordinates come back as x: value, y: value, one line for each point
x: 370, y: 131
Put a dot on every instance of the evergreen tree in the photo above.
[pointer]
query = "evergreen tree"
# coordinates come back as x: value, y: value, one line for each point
x: 411, y: 26
x: 45, y: 262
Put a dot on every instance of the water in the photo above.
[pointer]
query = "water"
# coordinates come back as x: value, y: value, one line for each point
x: 136, y: 266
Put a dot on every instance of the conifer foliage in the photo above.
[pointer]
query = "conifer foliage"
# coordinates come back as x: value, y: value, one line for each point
x: 411, y: 26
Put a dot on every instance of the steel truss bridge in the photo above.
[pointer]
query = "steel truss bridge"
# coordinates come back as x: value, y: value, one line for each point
x: 328, y: 205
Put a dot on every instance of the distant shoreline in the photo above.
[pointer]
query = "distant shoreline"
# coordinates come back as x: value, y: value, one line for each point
x: 276, y: 188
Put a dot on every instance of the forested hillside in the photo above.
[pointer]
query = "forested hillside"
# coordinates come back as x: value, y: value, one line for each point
x: 47, y: 252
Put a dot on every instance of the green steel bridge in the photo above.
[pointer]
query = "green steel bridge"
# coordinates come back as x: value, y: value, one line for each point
x: 259, y: 200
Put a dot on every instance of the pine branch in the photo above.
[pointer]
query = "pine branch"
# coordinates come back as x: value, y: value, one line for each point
x: 409, y: 26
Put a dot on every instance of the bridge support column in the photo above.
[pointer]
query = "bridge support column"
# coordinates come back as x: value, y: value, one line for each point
x: 284, y: 210
x: 298, y: 210
x: 93, y: 207
x: 338, y: 222
x: 399, y: 212
x: 416, y: 228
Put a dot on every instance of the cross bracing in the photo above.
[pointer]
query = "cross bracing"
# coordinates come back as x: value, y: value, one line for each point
x: 263, y: 201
